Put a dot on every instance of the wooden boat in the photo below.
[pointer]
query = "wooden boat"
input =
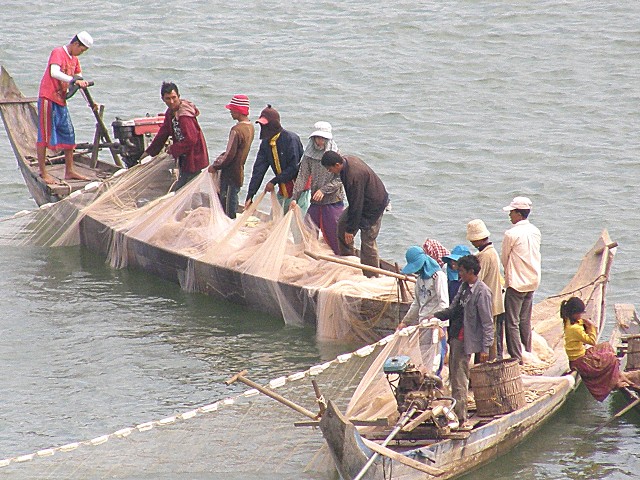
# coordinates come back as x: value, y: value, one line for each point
x: 376, y: 316
x: 626, y: 335
x: 428, y: 455
x: 20, y: 118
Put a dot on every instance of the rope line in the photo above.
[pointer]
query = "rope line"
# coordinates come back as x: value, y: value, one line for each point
x: 205, y: 409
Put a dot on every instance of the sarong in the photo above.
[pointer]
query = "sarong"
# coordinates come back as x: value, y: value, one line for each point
x: 599, y: 369
x: 326, y: 218
x: 55, y: 129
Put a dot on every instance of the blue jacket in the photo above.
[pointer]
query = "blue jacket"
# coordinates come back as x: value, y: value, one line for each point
x: 289, y: 151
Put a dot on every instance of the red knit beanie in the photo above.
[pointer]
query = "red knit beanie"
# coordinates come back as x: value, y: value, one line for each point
x: 239, y: 103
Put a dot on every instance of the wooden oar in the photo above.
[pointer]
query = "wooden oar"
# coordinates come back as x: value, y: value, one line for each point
x: 360, y: 266
x: 241, y: 377
x: 398, y: 457
x: 619, y: 414
x: 406, y: 416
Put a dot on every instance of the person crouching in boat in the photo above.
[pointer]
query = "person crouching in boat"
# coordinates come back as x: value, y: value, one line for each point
x: 598, y: 366
x: 180, y: 123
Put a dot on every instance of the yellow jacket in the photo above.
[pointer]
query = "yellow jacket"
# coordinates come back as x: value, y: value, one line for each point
x: 575, y: 337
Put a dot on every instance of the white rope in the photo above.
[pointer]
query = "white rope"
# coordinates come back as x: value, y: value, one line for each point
x: 200, y: 411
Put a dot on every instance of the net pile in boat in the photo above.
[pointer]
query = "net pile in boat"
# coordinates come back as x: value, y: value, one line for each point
x: 267, y: 250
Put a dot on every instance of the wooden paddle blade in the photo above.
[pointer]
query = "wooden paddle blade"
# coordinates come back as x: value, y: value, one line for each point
x: 619, y: 414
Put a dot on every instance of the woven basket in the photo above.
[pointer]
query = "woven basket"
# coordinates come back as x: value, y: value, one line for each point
x: 633, y: 353
x: 497, y: 387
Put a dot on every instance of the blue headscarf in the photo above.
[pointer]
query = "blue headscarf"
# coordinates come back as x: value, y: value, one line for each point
x: 429, y: 268
x: 420, y: 263
x: 458, y: 252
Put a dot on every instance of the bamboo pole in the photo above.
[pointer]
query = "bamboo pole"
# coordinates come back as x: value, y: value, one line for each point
x: 619, y: 414
x: 279, y: 398
x: 360, y: 266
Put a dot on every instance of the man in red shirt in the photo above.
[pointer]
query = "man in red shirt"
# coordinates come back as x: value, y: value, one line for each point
x: 55, y: 129
x: 180, y: 123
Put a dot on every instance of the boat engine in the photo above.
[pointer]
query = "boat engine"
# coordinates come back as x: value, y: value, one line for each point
x: 413, y: 388
x: 135, y: 135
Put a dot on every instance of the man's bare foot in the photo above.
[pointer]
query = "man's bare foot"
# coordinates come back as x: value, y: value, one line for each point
x: 74, y: 176
x: 48, y: 179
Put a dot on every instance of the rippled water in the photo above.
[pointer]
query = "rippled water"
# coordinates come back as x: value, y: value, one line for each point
x: 458, y: 106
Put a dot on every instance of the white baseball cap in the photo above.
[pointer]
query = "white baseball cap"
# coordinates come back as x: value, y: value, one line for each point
x: 518, y: 203
x: 85, y: 39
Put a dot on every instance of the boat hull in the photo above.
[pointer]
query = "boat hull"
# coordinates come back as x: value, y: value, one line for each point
x: 256, y: 293
x: 627, y: 324
x: 453, y: 457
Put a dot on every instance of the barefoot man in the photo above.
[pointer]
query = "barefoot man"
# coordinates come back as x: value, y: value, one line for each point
x: 55, y: 129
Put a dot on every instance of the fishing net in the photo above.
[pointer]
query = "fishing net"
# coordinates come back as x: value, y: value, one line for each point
x: 274, y: 262
x: 244, y: 434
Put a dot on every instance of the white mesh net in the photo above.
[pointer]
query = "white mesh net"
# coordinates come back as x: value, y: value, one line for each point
x: 257, y: 259
x: 248, y: 435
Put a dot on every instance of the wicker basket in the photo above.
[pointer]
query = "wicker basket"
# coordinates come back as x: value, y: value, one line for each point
x: 633, y: 353
x: 497, y: 387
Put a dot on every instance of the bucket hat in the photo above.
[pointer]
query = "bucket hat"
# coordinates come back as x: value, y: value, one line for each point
x: 457, y: 253
x: 239, y: 103
x: 477, y: 230
x: 322, y: 129
x: 416, y: 258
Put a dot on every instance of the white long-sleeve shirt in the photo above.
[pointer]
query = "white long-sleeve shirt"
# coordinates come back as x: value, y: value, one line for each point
x: 521, y: 257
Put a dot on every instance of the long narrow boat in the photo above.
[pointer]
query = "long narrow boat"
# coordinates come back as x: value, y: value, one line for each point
x: 446, y: 452
x: 626, y: 336
x: 20, y: 118
x: 372, y: 315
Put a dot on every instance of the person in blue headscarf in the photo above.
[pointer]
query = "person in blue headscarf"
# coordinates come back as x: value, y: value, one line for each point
x: 453, y: 279
x: 431, y: 292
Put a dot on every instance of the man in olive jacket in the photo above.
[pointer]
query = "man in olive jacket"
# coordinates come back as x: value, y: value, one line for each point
x: 367, y: 199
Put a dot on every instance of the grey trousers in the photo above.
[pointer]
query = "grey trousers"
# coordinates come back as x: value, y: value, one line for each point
x: 497, y: 349
x: 459, y: 377
x: 518, y: 307
x: 368, y: 244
